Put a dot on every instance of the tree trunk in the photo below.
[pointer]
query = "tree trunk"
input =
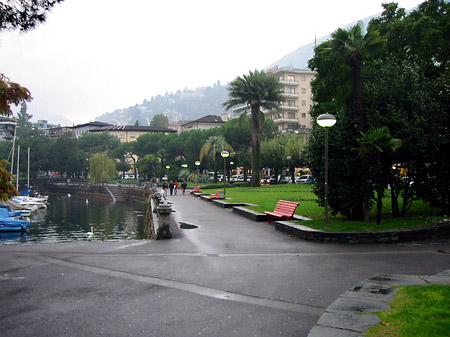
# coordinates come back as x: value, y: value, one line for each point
x: 256, y: 148
x: 355, y: 60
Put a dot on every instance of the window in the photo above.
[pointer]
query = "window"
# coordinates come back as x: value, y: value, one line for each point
x: 291, y: 78
x: 303, y: 115
x: 303, y: 78
x: 303, y: 90
x: 132, y: 136
x: 291, y: 102
x: 303, y: 102
x: 291, y: 90
x: 291, y: 115
x: 303, y: 126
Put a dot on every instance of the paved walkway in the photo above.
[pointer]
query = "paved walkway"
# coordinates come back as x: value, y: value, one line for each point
x: 230, y: 276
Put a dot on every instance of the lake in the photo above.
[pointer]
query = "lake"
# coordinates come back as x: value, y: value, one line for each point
x: 71, y: 218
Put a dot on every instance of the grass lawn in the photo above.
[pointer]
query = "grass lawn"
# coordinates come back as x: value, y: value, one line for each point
x: 266, y: 197
x: 416, y: 311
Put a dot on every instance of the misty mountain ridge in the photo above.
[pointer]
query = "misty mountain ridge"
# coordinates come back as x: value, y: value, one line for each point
x: 188, y: 105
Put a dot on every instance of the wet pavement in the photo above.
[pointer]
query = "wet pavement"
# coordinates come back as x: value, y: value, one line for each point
x: 223, y: 275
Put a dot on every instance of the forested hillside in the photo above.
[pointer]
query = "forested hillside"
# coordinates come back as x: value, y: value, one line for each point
x: 179, y: 106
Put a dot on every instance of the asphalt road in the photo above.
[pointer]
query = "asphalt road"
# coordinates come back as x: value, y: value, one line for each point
x: 228, y: 277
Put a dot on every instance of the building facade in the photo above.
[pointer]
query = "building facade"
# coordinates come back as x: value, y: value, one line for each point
x: 129, y: 133
x: 7, y: 127
x: 204, y: 123
x: 296, y: 90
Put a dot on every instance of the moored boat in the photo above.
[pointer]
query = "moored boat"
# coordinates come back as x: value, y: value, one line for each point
x: 8, y: 224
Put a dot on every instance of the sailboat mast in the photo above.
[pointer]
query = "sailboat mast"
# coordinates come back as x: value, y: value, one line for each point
x: 17, y: 175
x: 28, y: 178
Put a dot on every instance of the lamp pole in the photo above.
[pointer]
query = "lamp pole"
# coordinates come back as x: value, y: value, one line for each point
x: 289, y: 166
x: 225, y: 155
x: 326, y: 121
x: 197, y: 163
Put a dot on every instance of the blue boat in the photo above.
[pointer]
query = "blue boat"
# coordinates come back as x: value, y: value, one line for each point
x: 8, y: 224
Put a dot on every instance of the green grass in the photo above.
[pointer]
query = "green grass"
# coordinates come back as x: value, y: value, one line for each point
x: 416, y: 311
x: 266, y: 198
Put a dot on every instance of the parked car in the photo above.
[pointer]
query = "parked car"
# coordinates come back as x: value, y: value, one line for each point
x: 286, y: 180
x: 304, y: 179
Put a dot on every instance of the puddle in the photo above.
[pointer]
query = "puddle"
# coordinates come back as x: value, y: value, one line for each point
x: 185, y: 225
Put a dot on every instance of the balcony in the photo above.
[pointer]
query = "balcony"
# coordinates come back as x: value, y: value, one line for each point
x: 285, y: 120
x: 289, y: 95
x: 289, y: 107
x: 286, y: 82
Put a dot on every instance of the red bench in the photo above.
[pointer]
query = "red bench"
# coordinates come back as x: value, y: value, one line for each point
x: 219, y: 195
x: 283, y: 211
x: 196, y: 190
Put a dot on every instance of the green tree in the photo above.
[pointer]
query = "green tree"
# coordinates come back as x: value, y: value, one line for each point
x: 64, y: 155
x: 258, y: 90
x: 101, y: 168
x: 98, y: 142
x: 376, y: 145
x: 212, y: 148
x: 147, y: 165
x: 160, y: 120
x: 353, y: 47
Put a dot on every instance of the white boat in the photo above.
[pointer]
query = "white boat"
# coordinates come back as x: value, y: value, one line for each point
x: 30, y: 202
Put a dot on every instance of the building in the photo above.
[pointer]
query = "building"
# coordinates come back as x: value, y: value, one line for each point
x: 58, y: 131
x: 296, y: 89
x: 207, y: 122
x: 129, y: 133
x: 7, y: 127
x: 79, y: 130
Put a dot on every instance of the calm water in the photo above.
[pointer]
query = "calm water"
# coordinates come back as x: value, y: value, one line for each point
x: 71, y: 218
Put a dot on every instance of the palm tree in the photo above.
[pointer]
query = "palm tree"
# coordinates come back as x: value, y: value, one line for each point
x: 257, y: 90
x: 353, y: 47
x: 376, y: 144
x: 213, y: 146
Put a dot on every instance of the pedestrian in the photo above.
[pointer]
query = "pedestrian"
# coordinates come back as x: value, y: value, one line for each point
x: 165, y: 187
x: 176, y: 187
x: 183, y: 187
x: 171, y: 186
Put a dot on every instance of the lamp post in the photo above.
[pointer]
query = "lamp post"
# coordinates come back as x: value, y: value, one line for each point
x: 289, y: 165
x: 185, y: 166
x: 326, y: 121
x: 167, y: 168
x: 197, y: 163
x: 231, y: 170
x: 225, y: 155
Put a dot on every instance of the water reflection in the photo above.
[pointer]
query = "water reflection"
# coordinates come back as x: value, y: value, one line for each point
x: 71, y: 218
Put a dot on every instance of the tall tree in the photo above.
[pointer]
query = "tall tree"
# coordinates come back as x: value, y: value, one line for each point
x: 160, y: 121
x: 258, y: 90
x: 353, y: 47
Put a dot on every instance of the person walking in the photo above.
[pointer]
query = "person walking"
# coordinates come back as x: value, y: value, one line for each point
x: 176, y: 187
x: 183, y: 187
x: 171, y: 186
x: 165, y: 187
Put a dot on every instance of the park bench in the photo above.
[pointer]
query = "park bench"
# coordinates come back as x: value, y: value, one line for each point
x: 283, y: 211
x: 196, y: 190
x: 219, y: 195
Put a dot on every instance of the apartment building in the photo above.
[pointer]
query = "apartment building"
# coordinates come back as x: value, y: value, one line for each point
x: 296, y: 89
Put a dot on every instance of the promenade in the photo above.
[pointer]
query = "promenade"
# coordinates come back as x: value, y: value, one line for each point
x: 230, y: 276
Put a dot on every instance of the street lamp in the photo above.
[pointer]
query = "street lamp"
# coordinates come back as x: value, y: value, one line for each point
x: 225, y: 155
x: 326, y: 121
x: 167, y: 168
x: 289, y: 165
x: 231, y: 169
x: 197, y: 163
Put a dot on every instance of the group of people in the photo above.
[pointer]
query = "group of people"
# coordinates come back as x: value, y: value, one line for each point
x: 173, y: 187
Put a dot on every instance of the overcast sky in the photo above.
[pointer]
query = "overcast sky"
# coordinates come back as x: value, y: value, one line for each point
x: 94, y: 56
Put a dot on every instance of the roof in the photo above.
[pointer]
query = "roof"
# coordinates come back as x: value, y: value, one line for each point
x: 137, y: 128
x: 212, y: 119
x: 93, y: 124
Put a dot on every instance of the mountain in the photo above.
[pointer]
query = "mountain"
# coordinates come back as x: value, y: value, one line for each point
x: 180, y: 106
x: 189, y: 105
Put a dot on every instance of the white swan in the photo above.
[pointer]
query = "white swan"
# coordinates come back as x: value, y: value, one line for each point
x: 91, y: 233
x: 69, y: 195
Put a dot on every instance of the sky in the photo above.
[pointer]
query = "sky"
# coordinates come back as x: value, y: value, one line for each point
x: 95, y: 56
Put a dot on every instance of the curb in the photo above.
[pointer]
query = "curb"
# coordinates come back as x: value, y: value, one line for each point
x: 435, y: 231
x: 342, y: 317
